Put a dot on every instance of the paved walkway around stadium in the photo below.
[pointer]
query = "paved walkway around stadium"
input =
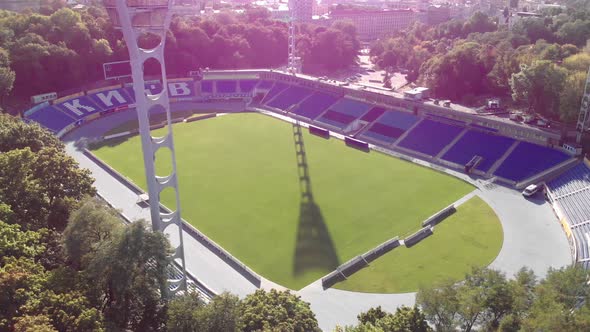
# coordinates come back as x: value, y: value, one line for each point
x: 532, y: 237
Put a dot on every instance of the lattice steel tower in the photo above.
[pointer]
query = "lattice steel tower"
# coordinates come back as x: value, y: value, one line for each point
x: 584, y: 116
x: 136, y: 18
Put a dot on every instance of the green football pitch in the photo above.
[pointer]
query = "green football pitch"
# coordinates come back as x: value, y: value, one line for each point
x: 239, y: 185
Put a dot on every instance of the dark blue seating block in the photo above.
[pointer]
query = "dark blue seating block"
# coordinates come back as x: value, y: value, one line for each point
x: 344, y: 119
x: 379, y: 137
x: 291, y: 96
x: 373, y: 114
x: 207, y: 86
x: 275, y: 90
x: 315, y: 105
x: 226, y: 86
x: 265, y: 84
x: 388, y: 131
x: 490, y: 147
x: 529, y: 159
x: 398, y: 119
x: 430, y: 137
x: 351, y: 107
x: 247, y: 86
x: 51, y: 119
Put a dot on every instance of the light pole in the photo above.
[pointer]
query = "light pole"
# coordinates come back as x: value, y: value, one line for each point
x: 136, y: 18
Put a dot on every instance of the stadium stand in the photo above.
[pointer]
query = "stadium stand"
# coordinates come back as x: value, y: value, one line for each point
x: 344, y: 112
x: 373, y: 114
x: 571, y: 193
x: 351, y: 107
x: 477, y: 143
x: 207, y: 86
x: 430, y: 137
x: 226, y: 86
x: 274, y: 91
x: 528, y: 159
x: 390, y: 126
x: 289, y: 97
x: 247, y: 85
x: 51, y: 118
x: 313, y: 106
x: 265, y: 84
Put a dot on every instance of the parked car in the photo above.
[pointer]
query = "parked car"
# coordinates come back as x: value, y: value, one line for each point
x: 531, y: 190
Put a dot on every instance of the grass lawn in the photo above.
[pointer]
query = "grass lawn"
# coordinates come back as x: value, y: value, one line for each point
x: 154, y: 120
x: 470, y: 237
x: 239, y: 184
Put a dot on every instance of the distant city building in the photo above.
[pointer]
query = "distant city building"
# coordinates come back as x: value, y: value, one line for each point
x: 19, y: 5
x: 302, y: 9
x: 374, y: 24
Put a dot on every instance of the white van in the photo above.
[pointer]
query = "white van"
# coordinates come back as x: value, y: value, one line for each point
x: 531, y: 190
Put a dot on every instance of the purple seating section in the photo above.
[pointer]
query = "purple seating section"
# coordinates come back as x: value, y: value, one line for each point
x: 528, y: 159
x: 373, y: 114
x: 489, y: 147
x: 289, y: 97
x: 397, y: 119
x: 264, y: 84
x: 350, y: 107
x: 247, y: 85
x: 51, y: 118
x: 336, y: 119
x: 386, y: 131
x: 313, y: 106
x: 207, y: 86
x: 379, y: 137
x: 226, y: 86
x: 274, y: 91
x: 430, y: 137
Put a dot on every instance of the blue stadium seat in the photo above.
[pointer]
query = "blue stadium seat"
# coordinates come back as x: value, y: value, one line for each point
x: 528, y: 159
x: 226, y: 86
x: 289, y: 97
x: 247, y: 86
x: 351, y: 107
x: 373, y: 114
x: 397, y: 119
x: 490, y: 147
x: 265, y: 84
x: 275, y: 90
x: 315, y: 105
x: 430, y: 137
x: 51, y: 118
x: 207, y: 86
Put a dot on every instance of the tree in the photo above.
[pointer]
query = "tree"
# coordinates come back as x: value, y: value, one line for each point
x: 128, y: 278
x: 16, y: 134
x: 440, y: 305
x: 276, y: 310
x: 38, y: 323
x: 90, y: 228
x: 371, y: 316
x: 182, y: 313
x: 570, y: 97
x: 539, y: 86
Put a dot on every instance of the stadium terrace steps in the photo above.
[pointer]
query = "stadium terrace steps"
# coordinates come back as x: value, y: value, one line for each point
x: 475, y: 142
x: 577, y: 178
x: 292, y: 95
x: 529, y: 159
x: 276, y: 89
x: 499, y: 162
x: 52, y: 118
x: 226, y: 86
x: 450, y: 145
x: 314, y: 105
x: 390, y: 126
x: 429, y: 137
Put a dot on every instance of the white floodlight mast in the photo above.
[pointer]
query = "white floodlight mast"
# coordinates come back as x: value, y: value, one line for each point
x: 129, y: 18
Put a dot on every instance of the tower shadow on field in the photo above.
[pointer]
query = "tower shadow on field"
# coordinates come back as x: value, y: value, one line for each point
x: 314, y: 249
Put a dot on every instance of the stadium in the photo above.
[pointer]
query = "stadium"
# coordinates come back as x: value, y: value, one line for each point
x: 350, y: 196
